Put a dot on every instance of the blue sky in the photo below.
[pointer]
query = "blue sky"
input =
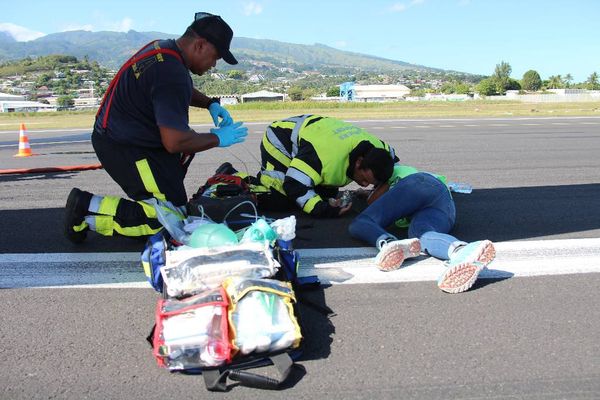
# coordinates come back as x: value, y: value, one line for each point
x: 552, y: 37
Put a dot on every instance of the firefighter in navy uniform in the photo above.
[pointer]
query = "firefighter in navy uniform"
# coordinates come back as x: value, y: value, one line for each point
x: 142, y: 135
x: 305, y: 159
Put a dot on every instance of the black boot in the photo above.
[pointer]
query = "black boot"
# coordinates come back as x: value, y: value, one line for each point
x: 75, y: 211
x: 226, y: 169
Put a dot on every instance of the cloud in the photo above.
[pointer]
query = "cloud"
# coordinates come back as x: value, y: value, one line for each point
x: 252, y: 8
x: 123, y: 25
x: 401, y: 7
x: 398, y: 7
x: 20, y: 33
x: 341, y: 44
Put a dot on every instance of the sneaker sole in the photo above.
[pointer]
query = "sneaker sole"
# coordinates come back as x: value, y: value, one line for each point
x: 395, y: 254
x: 460, y: 278
x: 487, y: 254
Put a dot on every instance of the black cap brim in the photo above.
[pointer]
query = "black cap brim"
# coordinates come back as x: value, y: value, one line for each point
x: 228, y: 57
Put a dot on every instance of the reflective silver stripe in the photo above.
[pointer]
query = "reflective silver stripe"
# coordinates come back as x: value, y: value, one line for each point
x: 296, y: 131
x: 274, y: 140
x: 301, y: 201
x: 95, y: 203
x: 91, y: 221
x: 392, y: 152
x: 274, y: 174
x: 300, y: 176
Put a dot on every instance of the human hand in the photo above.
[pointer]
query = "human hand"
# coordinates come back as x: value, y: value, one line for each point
x: 334, y: 202
x: 230, y: 134
x: 345, y: 209
x: 339, y: 204
x: 216, y: 110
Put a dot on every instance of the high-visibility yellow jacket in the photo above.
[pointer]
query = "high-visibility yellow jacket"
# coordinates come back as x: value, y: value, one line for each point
x: 308, y: 152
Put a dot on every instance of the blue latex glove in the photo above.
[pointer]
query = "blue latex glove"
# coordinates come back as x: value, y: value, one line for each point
x: 230, y: 134
x: 216, y: 110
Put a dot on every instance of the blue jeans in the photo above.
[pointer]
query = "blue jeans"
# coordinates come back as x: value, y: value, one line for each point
x: 426, y: 201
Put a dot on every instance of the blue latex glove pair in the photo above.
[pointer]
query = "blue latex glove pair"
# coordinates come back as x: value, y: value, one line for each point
x: 230, y: 134
x: 218, y: 111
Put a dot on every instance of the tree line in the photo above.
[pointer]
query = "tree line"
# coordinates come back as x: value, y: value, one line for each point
x: 500, y: 82
x: 45, y: 70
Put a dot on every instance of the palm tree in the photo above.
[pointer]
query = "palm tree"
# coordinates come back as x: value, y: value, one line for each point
x: 592, y: 82
x: 555, y: 82
x: 568, y: 79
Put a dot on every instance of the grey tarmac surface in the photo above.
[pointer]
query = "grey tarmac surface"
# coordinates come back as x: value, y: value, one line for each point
x: 533, y: 338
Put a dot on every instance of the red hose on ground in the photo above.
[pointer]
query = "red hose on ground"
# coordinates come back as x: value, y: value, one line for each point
x: 50, y: 169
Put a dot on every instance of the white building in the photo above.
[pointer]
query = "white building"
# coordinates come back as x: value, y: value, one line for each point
x: 350, y: 91
x: 86, y: 102
x: 24, y: 106
x: 263, y: 95
x: 11, y: 97
x: 228, y: 100
x: 380, y: 93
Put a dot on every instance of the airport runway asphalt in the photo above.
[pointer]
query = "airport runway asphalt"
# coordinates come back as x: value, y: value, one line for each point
x: 536, y: 182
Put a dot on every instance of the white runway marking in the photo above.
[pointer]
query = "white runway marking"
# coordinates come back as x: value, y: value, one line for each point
x: 332, y: 265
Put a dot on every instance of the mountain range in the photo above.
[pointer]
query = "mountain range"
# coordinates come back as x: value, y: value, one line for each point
x: 111, y: 49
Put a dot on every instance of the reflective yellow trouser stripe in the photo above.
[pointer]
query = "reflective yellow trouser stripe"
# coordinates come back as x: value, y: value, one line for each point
x: 80, y: 227
x: 272, y: 183
x: 310, y: 204
x: 108, y: 205
x: 148, y: 179
x: 107, y: 226
x: 149, y: 209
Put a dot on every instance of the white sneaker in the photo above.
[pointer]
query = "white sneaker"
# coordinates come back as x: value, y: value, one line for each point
x: 464, y: 266
x: 392, y: 254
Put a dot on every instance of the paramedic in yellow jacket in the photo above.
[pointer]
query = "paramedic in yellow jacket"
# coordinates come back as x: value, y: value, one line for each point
x: 305, y: 159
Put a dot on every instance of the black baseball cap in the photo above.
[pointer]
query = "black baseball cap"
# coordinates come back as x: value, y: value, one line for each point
x: 212, y: 28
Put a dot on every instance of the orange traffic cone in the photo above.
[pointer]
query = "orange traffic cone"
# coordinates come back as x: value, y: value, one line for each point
x: 24, y: 148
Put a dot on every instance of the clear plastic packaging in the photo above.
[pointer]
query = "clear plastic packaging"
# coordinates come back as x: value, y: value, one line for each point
x: 285, y: 228
x: 262, y: 315
x: 193, y: 333
x: 188, y: 272
x: 457, y: 187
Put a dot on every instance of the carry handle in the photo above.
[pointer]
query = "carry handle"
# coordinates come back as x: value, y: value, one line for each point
x: 283, y: 362
x: 249, y: 379
x: 215, y: 380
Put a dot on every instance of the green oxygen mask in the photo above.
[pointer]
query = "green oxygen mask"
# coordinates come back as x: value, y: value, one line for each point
x: 212, y: 235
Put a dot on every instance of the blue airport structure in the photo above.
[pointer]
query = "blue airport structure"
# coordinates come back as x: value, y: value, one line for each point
x: 347, y: 91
